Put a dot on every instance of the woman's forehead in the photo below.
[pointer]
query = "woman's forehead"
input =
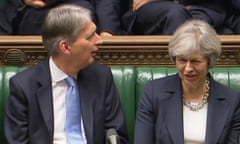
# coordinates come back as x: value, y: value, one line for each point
x: 192, y: 55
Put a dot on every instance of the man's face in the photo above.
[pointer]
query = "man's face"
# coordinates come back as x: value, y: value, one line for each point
x: 84, y: 49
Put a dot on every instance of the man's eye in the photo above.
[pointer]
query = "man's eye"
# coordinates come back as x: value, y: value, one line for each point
x: 90, y: 36
x: 196, y: 61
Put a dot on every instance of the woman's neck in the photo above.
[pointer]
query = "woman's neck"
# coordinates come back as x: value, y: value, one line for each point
x: 194, y: 93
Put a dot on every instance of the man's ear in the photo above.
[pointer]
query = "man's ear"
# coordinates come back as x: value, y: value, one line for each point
x: 64, y: 47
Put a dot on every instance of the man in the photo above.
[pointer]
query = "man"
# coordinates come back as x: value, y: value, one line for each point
x: 37, y: 107
x: 25, y: 17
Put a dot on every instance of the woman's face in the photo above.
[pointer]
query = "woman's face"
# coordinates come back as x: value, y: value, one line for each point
x: 192, y: 69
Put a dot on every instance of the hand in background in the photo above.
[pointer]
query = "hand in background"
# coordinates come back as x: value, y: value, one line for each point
x: 105, y: 34
x: 35, y: 3
x: 139, y: 3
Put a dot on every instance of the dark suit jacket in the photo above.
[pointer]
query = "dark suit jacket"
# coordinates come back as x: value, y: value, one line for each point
x: 106, y: 14
x: 8, y: 10
x: 213, y: 11
x: 29, y: 110
x: 165, y: 16
x: 233, y: 17
x: 160, y: 114
x: 158, y: 17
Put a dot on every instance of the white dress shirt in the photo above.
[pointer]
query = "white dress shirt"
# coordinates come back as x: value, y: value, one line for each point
x: 59, y: 93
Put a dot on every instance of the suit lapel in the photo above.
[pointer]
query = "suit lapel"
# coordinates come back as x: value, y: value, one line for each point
x: 44, y: 96
x: 174, y: 116
x: 86, y: 109
x: 175, y: 119
x: 218, y: 110
x: 45, y: 103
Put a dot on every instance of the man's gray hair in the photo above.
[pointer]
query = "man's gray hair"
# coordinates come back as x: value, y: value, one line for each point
x: 64, y: 22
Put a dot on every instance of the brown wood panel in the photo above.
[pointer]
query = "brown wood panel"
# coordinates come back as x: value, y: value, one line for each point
x: 116, y: 50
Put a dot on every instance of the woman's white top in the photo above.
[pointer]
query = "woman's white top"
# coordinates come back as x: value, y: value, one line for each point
x: 194, y: 123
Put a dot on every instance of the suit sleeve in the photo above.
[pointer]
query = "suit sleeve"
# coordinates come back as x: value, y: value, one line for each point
x: 115, y: 117
x: 8, y: 10
x: 144, y: 127
x: 108, y: 15
x: 236, y: 4
x: 16, y: 123
x: 234, y: 133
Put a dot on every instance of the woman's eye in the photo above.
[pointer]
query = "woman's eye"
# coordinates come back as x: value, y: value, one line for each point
x: 196, y: 61
x: 182, y: 60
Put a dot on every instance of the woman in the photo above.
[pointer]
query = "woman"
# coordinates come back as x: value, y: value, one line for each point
x: 189, y: 107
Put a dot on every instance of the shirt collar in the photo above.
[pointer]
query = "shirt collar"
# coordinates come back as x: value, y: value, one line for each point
x: 57, y: 75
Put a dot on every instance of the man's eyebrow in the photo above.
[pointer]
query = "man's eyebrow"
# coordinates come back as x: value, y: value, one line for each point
x: 91, y: 34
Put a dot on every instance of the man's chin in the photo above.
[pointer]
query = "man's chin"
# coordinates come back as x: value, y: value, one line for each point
x: 91, y: 60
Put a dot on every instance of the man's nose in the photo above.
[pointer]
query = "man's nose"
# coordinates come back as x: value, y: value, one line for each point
x: 98, y: 39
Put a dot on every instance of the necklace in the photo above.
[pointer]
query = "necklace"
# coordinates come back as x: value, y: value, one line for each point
x: 200, y: 105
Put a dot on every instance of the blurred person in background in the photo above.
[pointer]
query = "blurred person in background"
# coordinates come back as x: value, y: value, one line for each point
x: 25, y: 17
x: 163, y: 17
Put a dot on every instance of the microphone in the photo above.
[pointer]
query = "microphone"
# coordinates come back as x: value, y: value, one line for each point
x: 112, y: 136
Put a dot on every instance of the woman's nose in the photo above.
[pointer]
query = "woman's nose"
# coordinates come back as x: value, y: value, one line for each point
x: 188, y: 66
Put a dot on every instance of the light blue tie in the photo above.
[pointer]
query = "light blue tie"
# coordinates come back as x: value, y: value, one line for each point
x: 73, y: 113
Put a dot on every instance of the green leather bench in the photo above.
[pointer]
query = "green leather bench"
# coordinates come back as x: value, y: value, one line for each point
x: 130, y: 82
x: 124, y: 78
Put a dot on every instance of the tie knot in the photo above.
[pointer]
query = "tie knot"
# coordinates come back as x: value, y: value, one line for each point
x: 70, y: 81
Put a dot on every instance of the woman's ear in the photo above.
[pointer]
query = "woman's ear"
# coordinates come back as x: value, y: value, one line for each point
x: 64, y: 47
